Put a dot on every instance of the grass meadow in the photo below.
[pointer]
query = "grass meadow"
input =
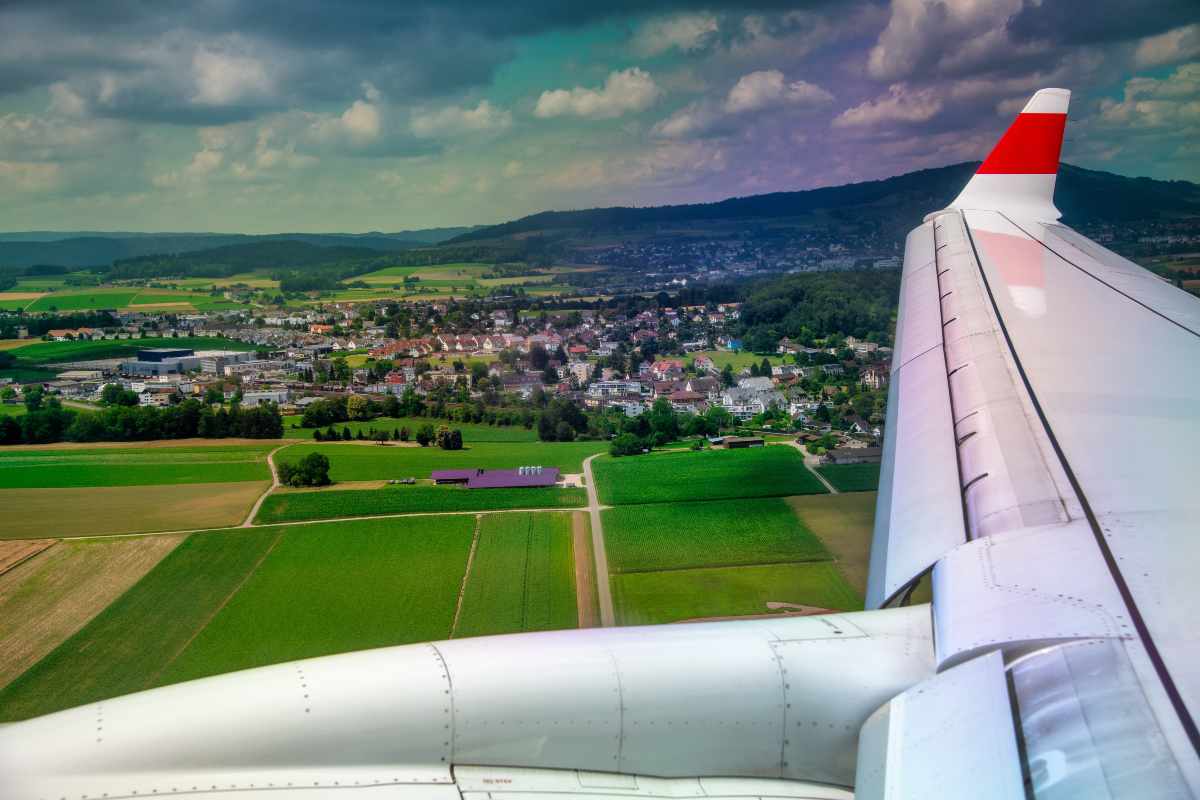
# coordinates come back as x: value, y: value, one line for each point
x: 471, y: 432
x: 522, y: 577
x: 643, y: 538
x: 351, y: 461
x: 852, y: 477
x: 132, y: 466
x: 703, y: 475
x: 643, y: 598
x: 334, y: 503
x: 52, y: 352
x: 86, y: 299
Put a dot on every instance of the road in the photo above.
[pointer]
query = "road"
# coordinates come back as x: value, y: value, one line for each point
x: 810, y: 463
x: 274, y: 485
x: 607, y: 619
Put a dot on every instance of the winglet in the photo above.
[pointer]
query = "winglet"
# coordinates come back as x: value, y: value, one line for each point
x: 1018, y: 175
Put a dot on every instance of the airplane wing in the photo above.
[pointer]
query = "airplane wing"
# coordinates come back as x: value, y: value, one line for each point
x: 1040, y: 462
x: 1041, y: 446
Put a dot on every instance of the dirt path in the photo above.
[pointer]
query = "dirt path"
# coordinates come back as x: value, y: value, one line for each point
x: 18, y: 551
x: 810, y: 463
x: 607, y: 618
x: 246, y: 523
x: 585, y: 584
x: 462, y: 588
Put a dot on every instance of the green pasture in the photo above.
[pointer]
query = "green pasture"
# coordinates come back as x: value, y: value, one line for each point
x: 522, y: 577
x: 648, y: 537
x: 51, y: 352
x: 703, y: 475
x: 368, y: 461
x: 472, y: 432
x: 852, y: 477
x: 738, y: 359
x: 643, y: 598
x: 132, y: 466
x: 84, y: 299
x: 334, y: 503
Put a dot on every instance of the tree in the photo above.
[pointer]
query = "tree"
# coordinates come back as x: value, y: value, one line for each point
x: 564, y: 432
x: 346, y: 434
x: 403, y: 434
x: 448, y: 439
x: 33, y: 397
x: 317, y: 437
x: 727, y: 375
x: 214, y: 396
x: 626, y: 444
x: 764, y: 369
x: 663, y: 421
x: 391, y: 406
x: 114, y: 394
x: 538, y: 357
x: 425, y: 435
x: 357, y: 407
x: 8, y: 393
x: 312, y: 470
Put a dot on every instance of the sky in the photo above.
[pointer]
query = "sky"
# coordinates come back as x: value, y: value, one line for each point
x: 263, y: 115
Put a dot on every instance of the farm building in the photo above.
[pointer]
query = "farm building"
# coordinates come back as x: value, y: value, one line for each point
x: 853, y: 455
x: 735, y: 442
x: 498, y: 478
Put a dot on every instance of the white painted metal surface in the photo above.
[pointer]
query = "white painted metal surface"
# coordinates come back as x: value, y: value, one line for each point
x: 949, y: 736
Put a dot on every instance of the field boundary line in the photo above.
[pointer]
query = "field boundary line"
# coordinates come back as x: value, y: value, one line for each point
x: 827, y: 558
x: 462, y: 588
x: 220, y: 607
x: 599, y: 553
x: 249, y: 520
x: 804, y: 455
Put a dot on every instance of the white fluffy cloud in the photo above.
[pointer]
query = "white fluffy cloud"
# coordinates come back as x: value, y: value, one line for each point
x: 667, y: 164
x: 225, y: 78
x: 767, y: 88
x: 1173, y: 101
x: 950, y: 35
x: 627, y: 90
x: 26, y: 176
x: 684, y: 32
x: 1171, y: 47
x: 361, y: 121
x: 483, y: 118
x: 900, y: 104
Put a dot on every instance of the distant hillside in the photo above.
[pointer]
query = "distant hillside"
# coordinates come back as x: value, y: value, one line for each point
x: 100, y: 249
x: 280, y: 256
x: 894, y: 203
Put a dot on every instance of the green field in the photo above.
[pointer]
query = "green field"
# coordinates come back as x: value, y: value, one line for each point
x: 522, y: 577
x: 132, y: 466
x: 127, y: 646
x: 51, y: 352
x: 84, y: 299
x: 704, y: 475
x: 471, y: 432
x: 231, y: 600
x: 12, y: 409
x: 370, y: 462
x: 332, y: 503
x: 643, y: 598
x: 642, y: 538
x: 739, y: 359
x: 334, y: 588
x: 13, y: 303
x: 852, y: 477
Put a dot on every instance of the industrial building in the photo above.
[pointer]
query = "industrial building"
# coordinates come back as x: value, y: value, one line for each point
x: 177, y: 360
x: 521, y: 477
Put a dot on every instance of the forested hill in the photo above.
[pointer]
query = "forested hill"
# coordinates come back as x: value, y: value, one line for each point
x: 895, y: 203
x: 84, y: 249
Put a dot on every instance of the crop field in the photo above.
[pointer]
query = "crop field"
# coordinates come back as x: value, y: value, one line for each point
x: 333, y: 588
x: 844, y: 523
x: 15, y: 301
x: 114, y: 510
x: 471, y: 432
x: 852, y: 477
x: 643, y: 538
x: 127, y: 646
x: 643, y: 598
x: 51, y: 596
x: 89, y: 298
x: 52, y: 352
x: 231, y: 600
x: 132, y: 466
x: 522, y: 577
x: 704, y: 475
x: 370, y: 462
x: 331, y: 503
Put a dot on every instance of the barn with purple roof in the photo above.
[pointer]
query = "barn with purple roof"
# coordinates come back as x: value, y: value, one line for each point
x: 498, y: 478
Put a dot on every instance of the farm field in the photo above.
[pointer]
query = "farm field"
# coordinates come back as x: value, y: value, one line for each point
x: 46, y: 294
x: 643, y: 598
x: 87, y: 298
x: 132, y: 466
x: 52, y: 352
x: 471, y: 432
x: 293, y: 506
x: 852, y: 477
x: 229, y: 600
x: 522, y: 577
x: 703, y: 475
x: 114, y: 510
x: 52, y: 595
x: 368, y: 461
x: 844, y: 523
x: 332, y: 588
x: 643, y: 538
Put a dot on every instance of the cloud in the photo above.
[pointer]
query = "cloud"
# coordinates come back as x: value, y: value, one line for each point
x: 1171, y: 102
x: 29, y: 176
x: 663, y: 165
x: 228, y: 79
x: 1097, y: 21
x: 453, y: 120
x: 684, y: 32
x: 627, y: 90
x: 1171, y: 47
x: 693, y: 120
x: 512, y: 169
x: 900, y: 104
x: 950, y: 37
x: 361, y: 121
x: 767, y: 89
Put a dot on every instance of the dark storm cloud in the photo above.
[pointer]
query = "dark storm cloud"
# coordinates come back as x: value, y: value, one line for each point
x: 1099, y: 21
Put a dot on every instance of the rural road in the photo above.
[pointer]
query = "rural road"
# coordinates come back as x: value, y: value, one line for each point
x: 249, y: 521
x: 810, y: 463
x: 602, y: 582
